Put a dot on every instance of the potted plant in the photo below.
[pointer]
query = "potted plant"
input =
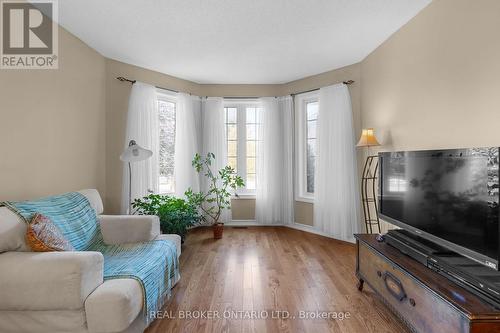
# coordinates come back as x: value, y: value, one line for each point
x: 176, y: 214
x: 217, y: 197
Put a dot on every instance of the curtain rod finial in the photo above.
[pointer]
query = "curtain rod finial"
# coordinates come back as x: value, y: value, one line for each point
x: 122, y: 79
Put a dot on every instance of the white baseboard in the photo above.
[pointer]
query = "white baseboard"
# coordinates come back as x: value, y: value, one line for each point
x: 298, y: 226
x: 307, y: 228
x: 249, y: 223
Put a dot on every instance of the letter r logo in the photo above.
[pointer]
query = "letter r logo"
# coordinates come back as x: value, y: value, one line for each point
x: 27, y: 29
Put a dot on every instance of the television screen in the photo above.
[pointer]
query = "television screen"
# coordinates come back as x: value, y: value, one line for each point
x: 449, y: 194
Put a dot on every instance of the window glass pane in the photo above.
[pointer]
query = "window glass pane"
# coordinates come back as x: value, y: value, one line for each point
x: 231, y: 161
x: 166, y: 111
x: 312, y: 110
x: 311, y: 126
x: 311, y: 129
x: 310, y: 183
x: 232, y: 148
x: 311, y: 147
x: 310, y: 173
x: 231, y: 132
x: 258, y: 115
x: 231, y: 115
x: 251, y: 132
x: 251, y: 148
x: 250, y: 165
x: 251, y: 116
x: 250, y: 184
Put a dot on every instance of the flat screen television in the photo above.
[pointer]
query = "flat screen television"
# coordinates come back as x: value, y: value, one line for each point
x: 448, y: 196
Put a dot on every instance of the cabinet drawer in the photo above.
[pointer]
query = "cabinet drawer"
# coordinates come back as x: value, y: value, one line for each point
x: 423, y: 310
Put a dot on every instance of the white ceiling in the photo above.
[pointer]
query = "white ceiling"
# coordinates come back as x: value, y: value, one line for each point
x: 237, y: 41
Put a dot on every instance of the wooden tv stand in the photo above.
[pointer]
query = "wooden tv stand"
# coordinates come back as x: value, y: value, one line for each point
x: 424, y: 300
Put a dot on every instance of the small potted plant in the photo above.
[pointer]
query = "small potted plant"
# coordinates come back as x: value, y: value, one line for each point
x: 176, y: 215
x: 217, y: 197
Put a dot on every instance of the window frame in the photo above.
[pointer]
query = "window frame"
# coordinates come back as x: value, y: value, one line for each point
x: 241, y: 139
x: 301, y: 102
x: 169, y: 97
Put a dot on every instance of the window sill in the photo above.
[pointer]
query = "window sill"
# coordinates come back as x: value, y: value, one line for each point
x: 305, y: 199
x: 243, y: 196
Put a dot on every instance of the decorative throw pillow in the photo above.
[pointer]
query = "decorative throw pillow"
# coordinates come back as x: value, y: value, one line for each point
x: 44, y: 236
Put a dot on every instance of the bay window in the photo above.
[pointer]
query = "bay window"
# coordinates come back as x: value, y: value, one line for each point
x: 242, y: 119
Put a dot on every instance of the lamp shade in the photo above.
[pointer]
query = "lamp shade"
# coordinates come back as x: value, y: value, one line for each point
x: 367, y: 138
x: 135, y: 153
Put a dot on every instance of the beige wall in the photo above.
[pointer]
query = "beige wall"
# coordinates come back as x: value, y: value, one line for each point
x: 304, y: 213
x: 240, y: 90
x: 243, y: 209
x: 436, y: 82
x: 52, y: 125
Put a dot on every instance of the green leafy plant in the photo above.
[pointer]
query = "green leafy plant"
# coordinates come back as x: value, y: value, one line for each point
x: 176, y: 214
x: 217, y: 197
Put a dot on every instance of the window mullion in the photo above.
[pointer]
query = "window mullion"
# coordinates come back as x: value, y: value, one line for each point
x: 242, y: 163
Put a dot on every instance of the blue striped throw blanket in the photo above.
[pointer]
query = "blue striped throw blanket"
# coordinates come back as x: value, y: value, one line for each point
x: 153, y: 264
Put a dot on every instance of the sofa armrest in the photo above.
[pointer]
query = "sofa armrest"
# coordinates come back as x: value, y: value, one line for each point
x: 121, y: 229
x: 48, y: 280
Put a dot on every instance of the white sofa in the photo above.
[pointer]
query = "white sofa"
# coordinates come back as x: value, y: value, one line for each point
x: 65, y: 291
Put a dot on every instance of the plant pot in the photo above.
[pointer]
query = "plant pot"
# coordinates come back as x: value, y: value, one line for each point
x: 218, y: 230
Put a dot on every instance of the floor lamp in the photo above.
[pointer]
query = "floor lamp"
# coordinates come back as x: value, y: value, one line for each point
x: 368, y: 180
x: 133, y: 153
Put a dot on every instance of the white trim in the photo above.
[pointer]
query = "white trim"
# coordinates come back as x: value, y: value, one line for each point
x: 304, y: 199
x: 301, y: 100
x: 243, y: 196
x: 310, y: 229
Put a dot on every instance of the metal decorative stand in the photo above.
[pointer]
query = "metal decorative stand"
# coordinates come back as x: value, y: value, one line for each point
x: 368, y: 194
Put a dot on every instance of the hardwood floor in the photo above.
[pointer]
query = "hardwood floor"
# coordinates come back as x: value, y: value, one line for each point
x: 270, y: 269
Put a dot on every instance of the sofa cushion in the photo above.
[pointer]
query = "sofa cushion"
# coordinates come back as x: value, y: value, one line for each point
x: 44, y: 236
x: 12, y: 231
x: 48, y: 280
x: 113, y: 305
x: 35, y: 321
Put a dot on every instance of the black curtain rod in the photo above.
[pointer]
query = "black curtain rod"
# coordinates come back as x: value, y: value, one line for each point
x: 239, y: 97
x: 123, y: 79
x: 348, y: 82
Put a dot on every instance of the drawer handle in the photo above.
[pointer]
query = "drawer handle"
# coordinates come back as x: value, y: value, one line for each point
x: 379, y: 273
x: 394, y: 286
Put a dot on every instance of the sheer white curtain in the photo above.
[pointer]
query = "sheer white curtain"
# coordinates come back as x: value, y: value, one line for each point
x: 142, y: 126
x: 214, y: 139
x: 336, y: 193
x: 187, y: 132
x: 274, y: 194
